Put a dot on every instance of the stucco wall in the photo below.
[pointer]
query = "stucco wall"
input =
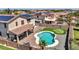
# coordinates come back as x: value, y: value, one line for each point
x: 50, y: 19
x: 3, y: 30
x: 12, y: 25
x: 32, y: 21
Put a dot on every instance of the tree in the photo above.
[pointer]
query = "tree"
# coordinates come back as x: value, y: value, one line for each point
x: 8, y: 11
x: 57, y: 10
x: 69, y: 19
x: 42, y: 44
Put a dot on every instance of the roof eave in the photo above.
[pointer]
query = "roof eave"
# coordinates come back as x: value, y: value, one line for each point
x: 3, y: 21
x: 13, y: 18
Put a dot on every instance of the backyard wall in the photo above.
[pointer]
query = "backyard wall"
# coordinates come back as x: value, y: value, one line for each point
x: 53, y: 26
x: 9, y: 43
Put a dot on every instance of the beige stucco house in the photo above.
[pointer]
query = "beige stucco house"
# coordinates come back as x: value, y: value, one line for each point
x: 17, y: 27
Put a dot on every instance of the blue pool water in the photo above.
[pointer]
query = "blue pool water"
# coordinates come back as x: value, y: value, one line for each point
x: 48, y: 37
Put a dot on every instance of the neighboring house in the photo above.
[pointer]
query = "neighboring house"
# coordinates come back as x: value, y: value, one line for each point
x: 50, y: 19
x: 15, y: 28
x: 38, y: 17
x: 75, y: 20
x: 45, y: 18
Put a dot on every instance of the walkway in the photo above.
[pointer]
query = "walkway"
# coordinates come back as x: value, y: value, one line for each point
x: 61, y: 39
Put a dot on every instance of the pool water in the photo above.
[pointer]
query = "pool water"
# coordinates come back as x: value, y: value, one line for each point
x: 48, y: 37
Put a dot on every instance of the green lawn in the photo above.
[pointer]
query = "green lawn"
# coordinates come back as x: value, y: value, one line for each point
x: 56, y: 31
x: 76, y: 34
x: 5, y: 48
x: 74, y: 46
x: 75, y: 42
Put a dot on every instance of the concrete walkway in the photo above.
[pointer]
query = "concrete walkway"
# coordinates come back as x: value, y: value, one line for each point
x: 61, y: 39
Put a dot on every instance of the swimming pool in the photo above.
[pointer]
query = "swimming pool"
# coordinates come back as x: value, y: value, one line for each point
x: 48, y: 37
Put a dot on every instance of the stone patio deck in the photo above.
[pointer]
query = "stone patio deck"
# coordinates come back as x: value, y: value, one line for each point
x: 31, y: 40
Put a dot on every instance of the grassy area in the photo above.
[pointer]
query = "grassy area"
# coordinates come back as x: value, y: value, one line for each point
x: 74, y: 46
x: 56, y: 31
x: 76, y: 34
x: 5, y: 48
x: 75, y: 42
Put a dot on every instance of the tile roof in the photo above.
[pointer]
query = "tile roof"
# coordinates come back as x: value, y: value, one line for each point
x: 21, y: 29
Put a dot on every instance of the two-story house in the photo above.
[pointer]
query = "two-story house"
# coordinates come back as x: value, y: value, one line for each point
x: 17, y: 27
x: 44, y: 17
x: 49, y: 17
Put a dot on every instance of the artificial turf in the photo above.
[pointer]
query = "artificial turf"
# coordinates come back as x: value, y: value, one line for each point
x: 75, y: 42
x: 5, y: 48
x: 56, y: 31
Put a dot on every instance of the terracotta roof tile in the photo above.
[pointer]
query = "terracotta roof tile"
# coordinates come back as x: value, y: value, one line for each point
x: 22, y: 29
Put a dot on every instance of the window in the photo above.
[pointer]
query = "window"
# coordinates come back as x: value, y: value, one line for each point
x: 8, y: 35
x: 28, y: 20
x: 16, y: 23
x: 37, y: 16
x: 0, y: 34
x: 5, y: 25
x: 22, y: 22
x: 37, y: 21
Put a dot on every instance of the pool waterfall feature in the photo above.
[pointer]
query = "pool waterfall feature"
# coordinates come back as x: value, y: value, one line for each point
x: 48, y: 36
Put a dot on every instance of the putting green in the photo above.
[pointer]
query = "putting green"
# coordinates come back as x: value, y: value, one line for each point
x: 56, y: 31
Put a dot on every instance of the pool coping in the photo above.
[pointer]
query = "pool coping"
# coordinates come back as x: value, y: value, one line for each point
x: 52, y: 45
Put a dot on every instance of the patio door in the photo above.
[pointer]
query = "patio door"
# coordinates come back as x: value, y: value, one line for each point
x: 22, y: 36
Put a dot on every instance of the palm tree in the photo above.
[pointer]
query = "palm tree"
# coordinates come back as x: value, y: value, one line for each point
x: 42, y: 44
x: 69, y: 19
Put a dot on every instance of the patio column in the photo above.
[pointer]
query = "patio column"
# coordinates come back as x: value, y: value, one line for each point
x: 33, y: 29
x: 27, y: 33
x: 17, y: 39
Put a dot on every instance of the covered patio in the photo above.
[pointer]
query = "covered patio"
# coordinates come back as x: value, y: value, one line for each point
x: 18, y: 34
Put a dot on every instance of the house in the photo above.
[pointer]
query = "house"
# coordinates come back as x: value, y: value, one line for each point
x: 49, y: 17
x: 44, y: 17
x: 39, y: 17
x: 17, y: 27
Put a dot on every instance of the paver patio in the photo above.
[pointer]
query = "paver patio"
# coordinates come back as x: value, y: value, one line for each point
x: 31, y: 40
